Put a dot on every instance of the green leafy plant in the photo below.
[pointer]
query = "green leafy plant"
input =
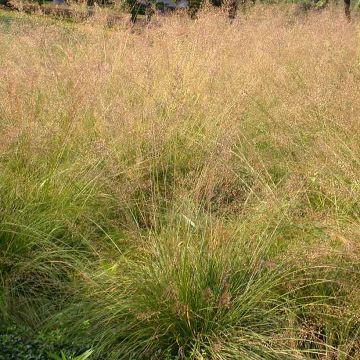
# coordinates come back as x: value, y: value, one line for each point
x: 62, y: 356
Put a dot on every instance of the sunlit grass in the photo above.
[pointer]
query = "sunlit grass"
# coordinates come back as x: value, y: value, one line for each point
x: 185, y: 190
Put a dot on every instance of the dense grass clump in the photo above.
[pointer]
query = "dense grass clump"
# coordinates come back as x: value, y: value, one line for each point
x: 186, y: 190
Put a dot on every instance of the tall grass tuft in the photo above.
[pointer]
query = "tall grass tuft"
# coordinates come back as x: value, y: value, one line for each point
x: 183, y: 190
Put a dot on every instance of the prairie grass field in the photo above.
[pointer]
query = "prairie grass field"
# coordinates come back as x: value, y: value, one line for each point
x: 186, y: 190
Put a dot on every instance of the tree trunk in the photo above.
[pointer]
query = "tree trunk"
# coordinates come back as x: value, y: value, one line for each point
x: 233, y: 6
x: 347, y: 9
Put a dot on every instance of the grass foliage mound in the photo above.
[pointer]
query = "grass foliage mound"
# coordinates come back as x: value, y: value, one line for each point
x: 186, y: 190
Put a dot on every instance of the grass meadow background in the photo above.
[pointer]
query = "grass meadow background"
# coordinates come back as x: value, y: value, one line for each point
x: 183, y: 190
